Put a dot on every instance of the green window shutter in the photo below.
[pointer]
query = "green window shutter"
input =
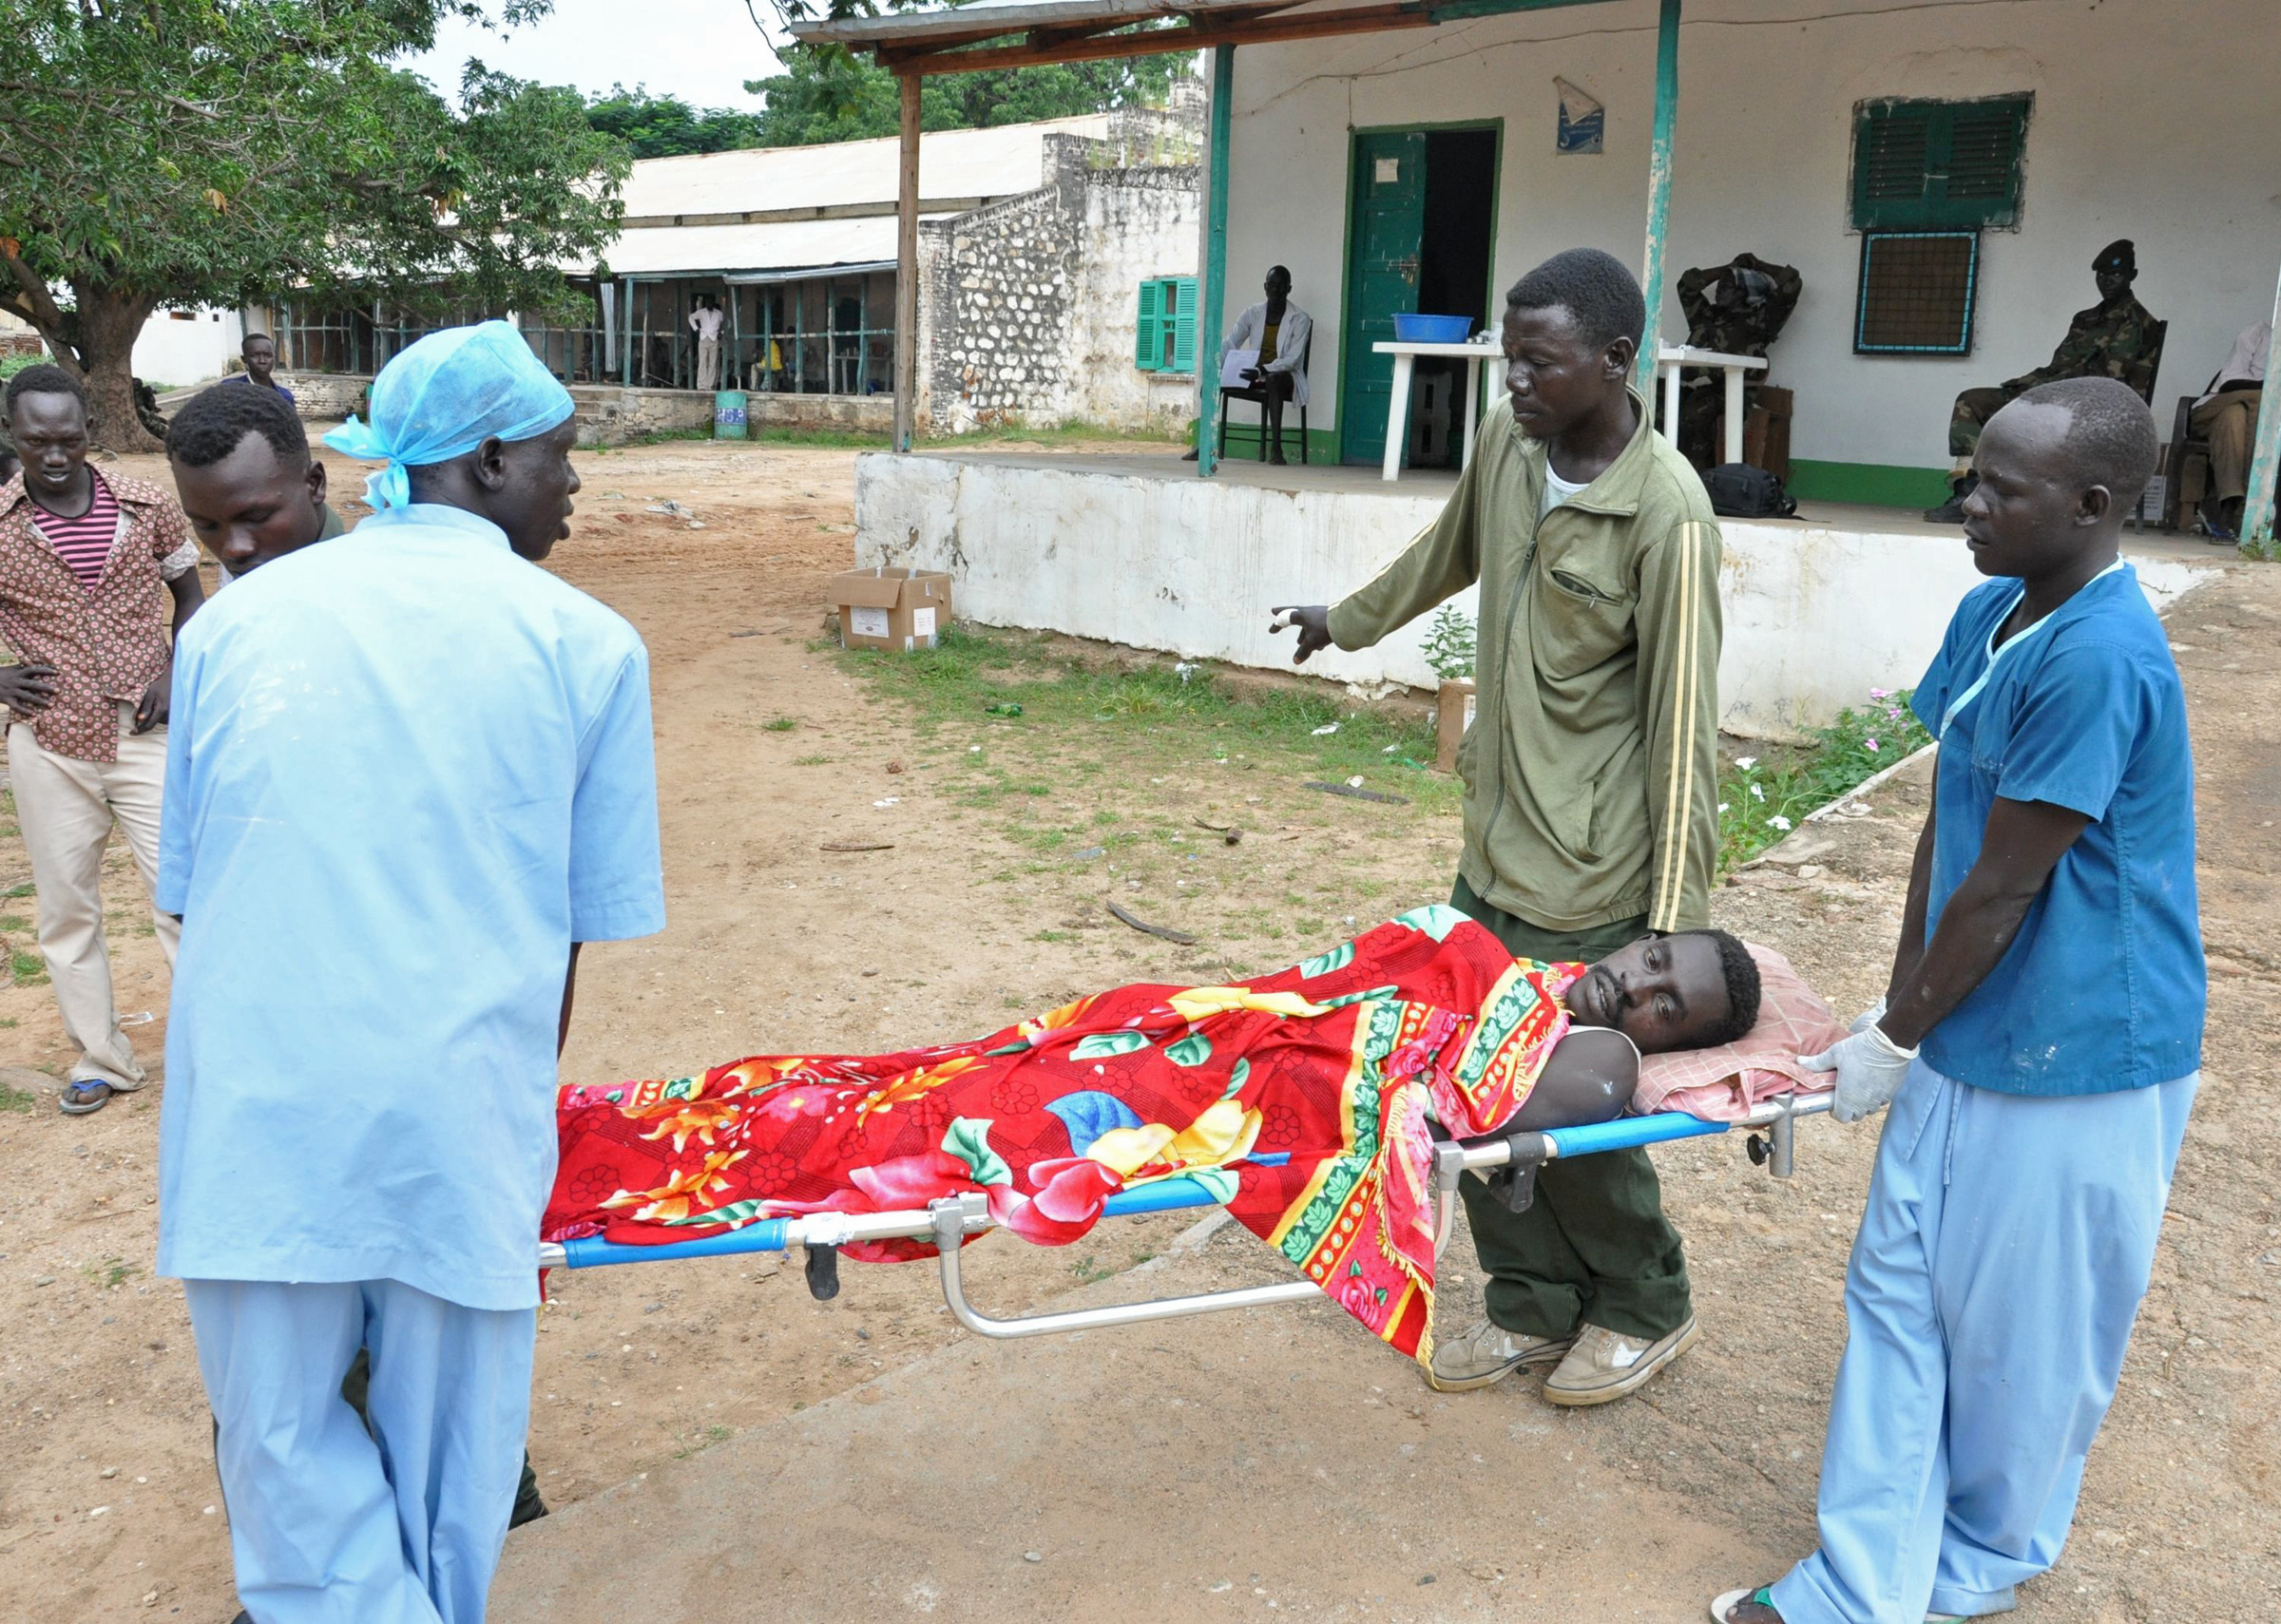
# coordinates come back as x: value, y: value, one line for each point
x: 1978, y: 177
x: 1147, y: 343
x: 1938, y: 165
x: 1892, y: 142
x: 1183, y: 345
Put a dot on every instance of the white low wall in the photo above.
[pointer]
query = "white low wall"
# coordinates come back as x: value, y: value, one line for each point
x: 1814, y: 616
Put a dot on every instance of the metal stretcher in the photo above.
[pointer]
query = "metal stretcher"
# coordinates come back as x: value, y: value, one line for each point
x: 1512, y: 1157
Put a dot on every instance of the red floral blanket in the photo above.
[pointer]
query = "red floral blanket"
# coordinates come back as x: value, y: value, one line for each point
x: 1325, y: 1069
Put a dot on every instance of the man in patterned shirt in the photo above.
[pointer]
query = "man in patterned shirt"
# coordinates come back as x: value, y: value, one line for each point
x: 81, y: 561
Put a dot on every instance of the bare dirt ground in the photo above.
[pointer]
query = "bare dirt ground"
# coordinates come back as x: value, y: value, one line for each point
x: 1269, y: 1461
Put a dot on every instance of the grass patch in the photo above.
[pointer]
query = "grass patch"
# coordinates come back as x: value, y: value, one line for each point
x: 812, y: 761
x: 109, y: 1272
x: 1173, y: 713
x: 1761, y: 798
x: 30, y: 969
x: 20, y: 1100
x: 781, y: 724
x: 14, y: 922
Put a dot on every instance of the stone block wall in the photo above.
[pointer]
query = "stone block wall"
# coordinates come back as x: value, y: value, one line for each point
x: 326, y: 397
x: 609, y: 415
x: 1027, y: 307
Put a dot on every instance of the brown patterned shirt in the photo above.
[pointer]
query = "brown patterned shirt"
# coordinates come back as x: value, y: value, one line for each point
x: 107, y: 641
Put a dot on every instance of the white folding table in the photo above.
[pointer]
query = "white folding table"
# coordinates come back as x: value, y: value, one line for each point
x: 1397, y: 411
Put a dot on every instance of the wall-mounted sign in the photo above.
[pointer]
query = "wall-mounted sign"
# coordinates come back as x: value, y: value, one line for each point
x: 1584, y: 121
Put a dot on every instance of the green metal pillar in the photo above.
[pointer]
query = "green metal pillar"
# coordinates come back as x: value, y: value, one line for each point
x: 1658, y: 193
x: 1209, y: 324
x: 2265, y: 461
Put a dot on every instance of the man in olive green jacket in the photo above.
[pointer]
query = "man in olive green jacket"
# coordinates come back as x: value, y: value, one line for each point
x: 1591, y: 779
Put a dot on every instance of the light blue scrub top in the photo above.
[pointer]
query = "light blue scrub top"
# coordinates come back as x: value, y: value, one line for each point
x: 406, y: 771
x: 2105, y: 984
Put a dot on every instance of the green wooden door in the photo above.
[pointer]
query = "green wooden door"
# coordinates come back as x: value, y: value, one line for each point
x: 1386, y: 208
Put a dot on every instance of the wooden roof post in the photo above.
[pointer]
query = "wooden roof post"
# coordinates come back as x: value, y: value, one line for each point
x: 1211, y: 321
x: 906, y: 270
x: 1659, y: 195
x: 2265, y: 460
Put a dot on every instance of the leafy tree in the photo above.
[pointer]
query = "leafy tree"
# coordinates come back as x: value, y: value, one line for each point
x: 175, y: 152
x: 826, y: 94
x: 666, y: 126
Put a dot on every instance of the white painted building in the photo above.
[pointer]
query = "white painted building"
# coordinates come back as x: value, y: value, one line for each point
x: 2124, y: 137
x: 179, y: 347
x: 1412, y: 158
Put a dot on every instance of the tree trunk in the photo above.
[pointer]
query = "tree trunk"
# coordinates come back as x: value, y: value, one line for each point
x: 110, y: 322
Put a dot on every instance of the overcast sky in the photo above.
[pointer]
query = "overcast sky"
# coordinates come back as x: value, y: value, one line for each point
x: 700, y: 50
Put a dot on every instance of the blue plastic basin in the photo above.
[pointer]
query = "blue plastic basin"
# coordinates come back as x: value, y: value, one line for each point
x: 1432, y: 329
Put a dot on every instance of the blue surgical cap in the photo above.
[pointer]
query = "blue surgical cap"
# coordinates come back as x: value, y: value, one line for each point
x: 445, y: 396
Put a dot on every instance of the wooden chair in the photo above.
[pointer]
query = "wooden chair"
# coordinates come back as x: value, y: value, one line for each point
x: 1260, y: 397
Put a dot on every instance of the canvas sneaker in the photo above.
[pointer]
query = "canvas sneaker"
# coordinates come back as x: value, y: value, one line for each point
x: 1489, y: 1353
x: 1603, y: 1366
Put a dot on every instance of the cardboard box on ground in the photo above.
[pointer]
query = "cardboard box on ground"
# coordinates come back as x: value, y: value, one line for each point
x: 897, y: 609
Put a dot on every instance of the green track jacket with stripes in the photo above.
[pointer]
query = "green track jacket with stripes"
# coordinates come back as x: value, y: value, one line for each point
x: 1591, y: 768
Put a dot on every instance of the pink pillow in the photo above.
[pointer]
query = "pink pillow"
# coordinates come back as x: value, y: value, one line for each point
x: 1724, y: 1083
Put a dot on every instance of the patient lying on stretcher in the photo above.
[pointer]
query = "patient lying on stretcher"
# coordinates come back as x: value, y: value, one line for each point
x: 1303, y: 1100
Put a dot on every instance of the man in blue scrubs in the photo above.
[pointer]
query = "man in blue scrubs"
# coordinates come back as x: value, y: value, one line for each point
x: 2039, y: 1043
x: 410, y: 772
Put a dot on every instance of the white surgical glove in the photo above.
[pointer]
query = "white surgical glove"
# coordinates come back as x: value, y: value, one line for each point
x: 1868, y: 1016
x: 1870, y: 1066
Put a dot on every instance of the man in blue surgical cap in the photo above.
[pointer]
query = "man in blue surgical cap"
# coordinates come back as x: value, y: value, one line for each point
x: 409, y: 773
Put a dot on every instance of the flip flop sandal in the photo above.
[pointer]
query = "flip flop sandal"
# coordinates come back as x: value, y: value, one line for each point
x: 1723, y: 1606
x: 82, y: 1097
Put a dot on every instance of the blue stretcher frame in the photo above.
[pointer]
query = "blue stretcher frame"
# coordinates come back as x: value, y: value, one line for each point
x: 952, y: 1220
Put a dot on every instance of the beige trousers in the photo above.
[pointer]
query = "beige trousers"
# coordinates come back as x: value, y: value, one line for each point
x: 65, y: 807
x: 708, y: 363
x: 2230, y: 423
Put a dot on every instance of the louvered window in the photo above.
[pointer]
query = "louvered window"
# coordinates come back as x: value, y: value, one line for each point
x: 1164, y: 335
x: 1938, y: 165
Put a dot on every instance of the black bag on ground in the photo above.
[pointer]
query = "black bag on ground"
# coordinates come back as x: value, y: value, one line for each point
x: 1740, y: 492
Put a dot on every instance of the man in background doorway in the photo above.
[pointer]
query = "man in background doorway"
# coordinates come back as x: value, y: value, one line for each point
x: 705, y: 322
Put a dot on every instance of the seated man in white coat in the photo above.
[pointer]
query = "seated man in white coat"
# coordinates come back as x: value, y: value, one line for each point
x: 1279, y: 331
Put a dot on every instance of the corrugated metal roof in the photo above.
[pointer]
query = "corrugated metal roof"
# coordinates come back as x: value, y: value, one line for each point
x: 953, y: 163
x: 783, y: 245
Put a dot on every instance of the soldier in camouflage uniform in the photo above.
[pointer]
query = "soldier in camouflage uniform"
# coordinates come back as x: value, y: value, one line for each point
x: 2115, y: 338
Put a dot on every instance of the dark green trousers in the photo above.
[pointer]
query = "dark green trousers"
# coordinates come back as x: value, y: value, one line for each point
x: 1595, y: 1248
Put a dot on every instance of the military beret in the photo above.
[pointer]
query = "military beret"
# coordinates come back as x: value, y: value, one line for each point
x: 2119, y: 254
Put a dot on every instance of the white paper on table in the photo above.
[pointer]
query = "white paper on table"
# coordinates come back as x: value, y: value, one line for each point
x: 1237, y: 363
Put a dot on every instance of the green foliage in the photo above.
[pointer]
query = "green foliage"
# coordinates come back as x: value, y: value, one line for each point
x: 181, y: 151
x: 827, y: 94
x: 20, y: 1100
x: 666, y: 126
x: 1449, y: 643
x: 1760, y: 801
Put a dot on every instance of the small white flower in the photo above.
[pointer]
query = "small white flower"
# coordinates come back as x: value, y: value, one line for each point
x: 1779, y: 822
x: 1757, y: 792
x: 1722, y: 808
x: 1746, y: 762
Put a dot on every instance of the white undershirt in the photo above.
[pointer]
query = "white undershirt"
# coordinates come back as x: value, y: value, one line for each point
x: 1557, y: 489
